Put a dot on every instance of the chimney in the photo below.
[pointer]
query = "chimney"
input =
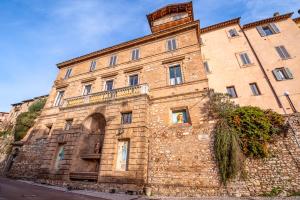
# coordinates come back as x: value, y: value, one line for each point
x: 276, y: 14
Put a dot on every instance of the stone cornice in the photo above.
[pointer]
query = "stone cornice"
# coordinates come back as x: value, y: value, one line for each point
x: 128, y: 44
x: 220, y: 25
x: 268, y: 20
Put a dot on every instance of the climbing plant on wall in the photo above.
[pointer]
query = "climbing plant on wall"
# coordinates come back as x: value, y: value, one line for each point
x: 241, y: 131
x: 26, y: 119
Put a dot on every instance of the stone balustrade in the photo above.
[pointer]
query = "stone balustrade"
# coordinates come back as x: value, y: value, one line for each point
x: 106, y: 95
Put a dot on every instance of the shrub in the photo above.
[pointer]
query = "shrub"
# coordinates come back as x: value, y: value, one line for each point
x: 241, y: 131
x: 227, y: 150
x: 26, y: 120
x: 37, y: 106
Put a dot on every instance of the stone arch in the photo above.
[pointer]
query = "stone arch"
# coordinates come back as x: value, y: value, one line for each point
x: 94, y: 124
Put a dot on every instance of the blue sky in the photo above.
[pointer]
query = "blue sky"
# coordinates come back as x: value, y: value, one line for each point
x: 37, y: 34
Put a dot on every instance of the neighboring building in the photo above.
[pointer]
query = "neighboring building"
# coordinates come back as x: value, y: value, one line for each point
x: 3, y: 118
x: 18, y: 108
x: 256, y: 63
x: 134, y: 114
x: 297, y: 21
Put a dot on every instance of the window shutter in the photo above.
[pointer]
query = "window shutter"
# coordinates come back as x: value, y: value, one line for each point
x: 274, y: 27
x: 169, y: 45
x: 133, y: 55
x: 174, y: 44
x: 243, y: 58
x: 277, y: 76
x: 284, y: 51
x: 288, y: 73
x: 261, y: 31
x: 247, y: 58
x: 279, y: 51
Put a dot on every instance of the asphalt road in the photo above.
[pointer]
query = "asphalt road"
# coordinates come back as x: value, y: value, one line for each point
x: 16, y: 190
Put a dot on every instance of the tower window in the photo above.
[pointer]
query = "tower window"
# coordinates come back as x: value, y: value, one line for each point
x: 175, y: 75
x: 135, y: 54
x: 171, y: 44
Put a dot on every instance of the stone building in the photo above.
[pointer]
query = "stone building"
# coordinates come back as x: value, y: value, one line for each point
x: 133, y: 115
x: 257, y: 63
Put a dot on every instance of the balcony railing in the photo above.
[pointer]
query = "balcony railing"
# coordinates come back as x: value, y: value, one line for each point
x: 106, y: 95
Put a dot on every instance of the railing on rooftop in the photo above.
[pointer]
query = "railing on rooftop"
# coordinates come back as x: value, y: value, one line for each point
x: 106, y: 95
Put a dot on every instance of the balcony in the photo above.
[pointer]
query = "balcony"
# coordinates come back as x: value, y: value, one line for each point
x: 106, y: 95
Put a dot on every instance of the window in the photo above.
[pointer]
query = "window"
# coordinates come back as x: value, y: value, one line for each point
x: 93, y: 66
x: 133, y: 80
x: 122, y: 155
x: 109, y: 85
x: 206, y: 67
x: 135, y: 54
x: 268, y: 29
x: 68, y: 73
x: 282, y: 74
x: 126, y: 118
x: 113, y: 60
x: 233, y: 32
x: 87, y: 89
x: 68, y: 124
x: 175, y: 75
x: 171, y: 44
x: 231, y: 92
x: 201, y: 41
x: 281, y: 50
x: 179, y: 117
x: 254, y: 89
x: 60, y: 155
x: 58, y: 98
x: 245, y: 59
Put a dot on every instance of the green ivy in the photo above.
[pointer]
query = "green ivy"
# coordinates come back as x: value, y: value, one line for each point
x: 241, y: 131
x: 27, y: 119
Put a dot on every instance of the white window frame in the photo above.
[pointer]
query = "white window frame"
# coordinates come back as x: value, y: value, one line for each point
x: 135, y: 54
x: 85, y: 87
x: 58, y: 101
x: 173, y: 44
x: 170, y: 79
x: 93, y: 65
x: 113, y: 60
x: 130, y: 75
x: 245, y: 59
x: 105, y: 85
x: 68, y: 73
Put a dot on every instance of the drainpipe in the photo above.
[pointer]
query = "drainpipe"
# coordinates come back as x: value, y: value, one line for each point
x: 262, y: 69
